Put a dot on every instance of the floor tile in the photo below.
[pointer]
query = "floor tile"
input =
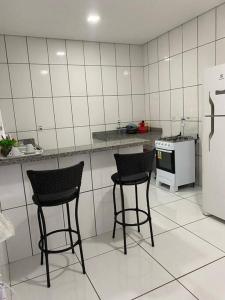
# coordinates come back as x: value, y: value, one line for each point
x: 207, y: 283
x: 181, y: 212
x: 121, y: 277
x: 180, y: 252
x: 170, y: 291
x: 66, y: 284
x: 30, y: 267
x: 197, y: 199
x: 158, y: 196
x: 211, y: 230
x: 102, y: 243
x: 189, y: 191
x: 160, y: 224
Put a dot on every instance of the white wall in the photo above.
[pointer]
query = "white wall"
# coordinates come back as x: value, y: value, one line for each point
x: 70, y: 88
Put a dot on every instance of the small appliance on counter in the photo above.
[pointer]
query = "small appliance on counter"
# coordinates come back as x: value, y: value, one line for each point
x: 131, y: 128
x: 175, y: 161
x: 143, y: 127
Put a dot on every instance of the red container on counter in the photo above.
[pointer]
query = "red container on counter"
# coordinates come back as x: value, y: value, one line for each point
x: 143, y: 127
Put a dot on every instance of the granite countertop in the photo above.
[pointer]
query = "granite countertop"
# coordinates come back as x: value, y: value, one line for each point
x: 103, y: 141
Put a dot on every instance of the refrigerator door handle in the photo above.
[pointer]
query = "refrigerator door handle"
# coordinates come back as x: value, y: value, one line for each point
x: 220, y: 92
x: 212, y: 119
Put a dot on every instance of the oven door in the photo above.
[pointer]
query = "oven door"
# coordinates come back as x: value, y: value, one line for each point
x: 165, y: 160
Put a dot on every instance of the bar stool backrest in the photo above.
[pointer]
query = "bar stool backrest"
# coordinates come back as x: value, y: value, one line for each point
x: 135, y: 163
x: 56, y: 181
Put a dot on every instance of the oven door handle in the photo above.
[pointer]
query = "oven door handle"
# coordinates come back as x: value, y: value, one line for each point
x: 163, y: 150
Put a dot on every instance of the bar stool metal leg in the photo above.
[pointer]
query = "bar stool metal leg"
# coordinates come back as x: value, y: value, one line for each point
x: 114, y: 205
x: 46, y: 246
x: 136, y: 197
x: 41, y: 234
x: 79, y: 237
x: 69, y: 227
x: 149, y: 214
x: 123, y: 219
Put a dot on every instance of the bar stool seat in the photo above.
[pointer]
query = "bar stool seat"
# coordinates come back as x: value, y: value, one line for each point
x: 55, y: 198
x: 131, y: 179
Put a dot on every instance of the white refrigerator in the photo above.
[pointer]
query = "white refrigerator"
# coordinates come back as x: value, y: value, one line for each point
x: 213, y: 144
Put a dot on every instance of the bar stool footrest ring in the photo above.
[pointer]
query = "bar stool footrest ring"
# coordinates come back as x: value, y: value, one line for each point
x: 132, y: 224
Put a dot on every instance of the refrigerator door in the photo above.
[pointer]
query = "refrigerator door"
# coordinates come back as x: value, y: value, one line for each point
x: 214, y: 167
x: 214, y: 91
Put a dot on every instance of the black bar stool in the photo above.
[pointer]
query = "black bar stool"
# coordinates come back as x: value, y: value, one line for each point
x: 52, y: 188
x: 132, y: 169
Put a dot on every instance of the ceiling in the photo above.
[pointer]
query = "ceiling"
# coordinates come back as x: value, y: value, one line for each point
x: 124, y: 21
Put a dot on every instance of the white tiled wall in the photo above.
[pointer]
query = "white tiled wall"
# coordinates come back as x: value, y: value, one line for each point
x: 174, y: 65
x: 56, y: 90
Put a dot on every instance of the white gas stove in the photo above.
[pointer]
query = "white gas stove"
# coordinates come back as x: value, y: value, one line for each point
x: 175, y: 161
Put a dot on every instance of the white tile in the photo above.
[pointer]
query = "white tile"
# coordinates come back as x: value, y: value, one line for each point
x: 122, y: 55
x: 170, y: 291
x: 80, y: 111
x: 181, y: 212
x: 206, y: 27
x: 166, y: 128
x: 5, y: 91
x: 175, y: 37
x: 47, y: 139
x: 138, y: 107
x: 176, y: 71
x: 153, y: 51
x: 96, y: 128
x: 103, y: 166
x: 145, y: 54
x: 123, y: 80
x: 211, y: 230
x: 54, y: 221
x: 164, y: 75
x: 12, y: 193
x: 165, y: 105
x: 16, y: 249
x: 21, y: 106
x: 125, y: 108
x: 69, y: 283
x: 82, y: 136
x: 146, y: 80
x: 154, y: 77
x: 111, y: 109
x: 50, y: 164
x: 94, y: 80
x: 190, y: 68
x: 63, y: 112
x: 37, y: 48
x: 108, y: 54
x: 176, y: 104
x: 137, y: 264
x: 20, y: 80
x: 28, y: 135
x: 159, y: 197
x: 86, y: 184
x: 220, y: 21
x: 3, y: 58
x: 163, y: 46
x: 181, y: 252
x: 96, y: 110
x: 160, y: 224
x: 65, y: 137
x: 137, y: 80
x: 191, y: 103
x: 189, y: 191
x: 206, y: 283
x: 16, y: 49
x: 7, y: 110
x: 154, y: 106
x: 30, y: 267
x: 40, y: 80
x: 44, y: 113
x: 91, y: 53
x: 190, y: 35
x: 57, y: 51
x: 220, y: 52
x: 206, y: 59
x: 176, y: 127
x: 147, y: 107
x: 136, y: 55
x: 59, y: 79
x: 77, y: 80
x: 86, y: 215
x: 109, y: 80
x: 75, y: 52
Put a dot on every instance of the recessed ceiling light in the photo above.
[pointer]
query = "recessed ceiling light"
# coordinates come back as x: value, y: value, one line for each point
x: 93, y: 19
x: 44, y: 72
x: 60, y: 53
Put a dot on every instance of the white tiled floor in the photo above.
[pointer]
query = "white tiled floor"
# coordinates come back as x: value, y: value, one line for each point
x: 187, y: 262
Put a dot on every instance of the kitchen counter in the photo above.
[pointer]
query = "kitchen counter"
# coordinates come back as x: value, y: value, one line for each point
x: 102, y: 141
